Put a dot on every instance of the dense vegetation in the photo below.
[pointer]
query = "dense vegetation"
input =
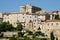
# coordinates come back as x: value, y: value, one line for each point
x: 57, y: 17
x: 4, y: 26
x: 27, y: 38
x: 8, y: 27
x: 52, y: 36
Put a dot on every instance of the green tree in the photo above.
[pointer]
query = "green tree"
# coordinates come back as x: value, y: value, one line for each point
x: 20, y: 34
x: 9, y: 27
x: 27, y: 38
x: 4, y: 26
x: 19, y: 27
x: 57, y: 17
x: 17, y: 38
x: 39, y: 33
x: 12, y: 38
x: 35, y: 38
x: 29, y: 32
x: 52, y: 36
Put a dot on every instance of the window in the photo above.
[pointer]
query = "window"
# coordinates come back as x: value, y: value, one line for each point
x: 34, y: 23
x: 30, y: 16
x: 56, y: 23
x: 35, y: 16
x: 23, y: 14
x: 51, y: 23
x: 48, y: 29
x: 23, y: 17
x: 48, y: 24
x: 39, y: 28
x: 34, y: 20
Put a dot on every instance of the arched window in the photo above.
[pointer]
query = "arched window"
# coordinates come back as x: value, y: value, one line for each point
x: 39, y: 28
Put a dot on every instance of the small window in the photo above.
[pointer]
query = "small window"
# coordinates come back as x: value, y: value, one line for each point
x: 30, y: 16
x: 48, y: 29
x: 34, y: 23
x: 23, y: 17
x: 23, y: 14
x: 39, y: 28
x: 24, y: 24
x: 35, y: 20
x: 56, y: 23
x: 35, y: 16
x: 48, y: 24
x: 51, y: 23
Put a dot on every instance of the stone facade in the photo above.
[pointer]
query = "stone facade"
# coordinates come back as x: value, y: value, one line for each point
x: 34, y: 18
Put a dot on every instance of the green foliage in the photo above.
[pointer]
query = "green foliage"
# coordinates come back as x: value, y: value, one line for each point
x: 36, y: 38
x: 20, y: 34
x: 19, y: 27
x: 57, y: 17
x: 4, y: 26
x: 52, y: 36
x: 29, y: 32
x: 13, y: 38
x: 39, y: 33
x: 44, y: 39
x: 39, y: 38
x: 27, y: 38
x: 17, y: 38
x: 9, y: 27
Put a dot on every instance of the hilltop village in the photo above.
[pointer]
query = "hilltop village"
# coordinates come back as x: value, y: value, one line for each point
x: 32, y: 19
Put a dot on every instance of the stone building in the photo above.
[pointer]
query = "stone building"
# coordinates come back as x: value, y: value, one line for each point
x: 51, y: 25
x: 33, y: 18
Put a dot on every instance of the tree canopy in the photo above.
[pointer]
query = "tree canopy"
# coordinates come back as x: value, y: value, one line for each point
x: 4, y: 26
x: 52, y: 36
x: 19, y: 27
